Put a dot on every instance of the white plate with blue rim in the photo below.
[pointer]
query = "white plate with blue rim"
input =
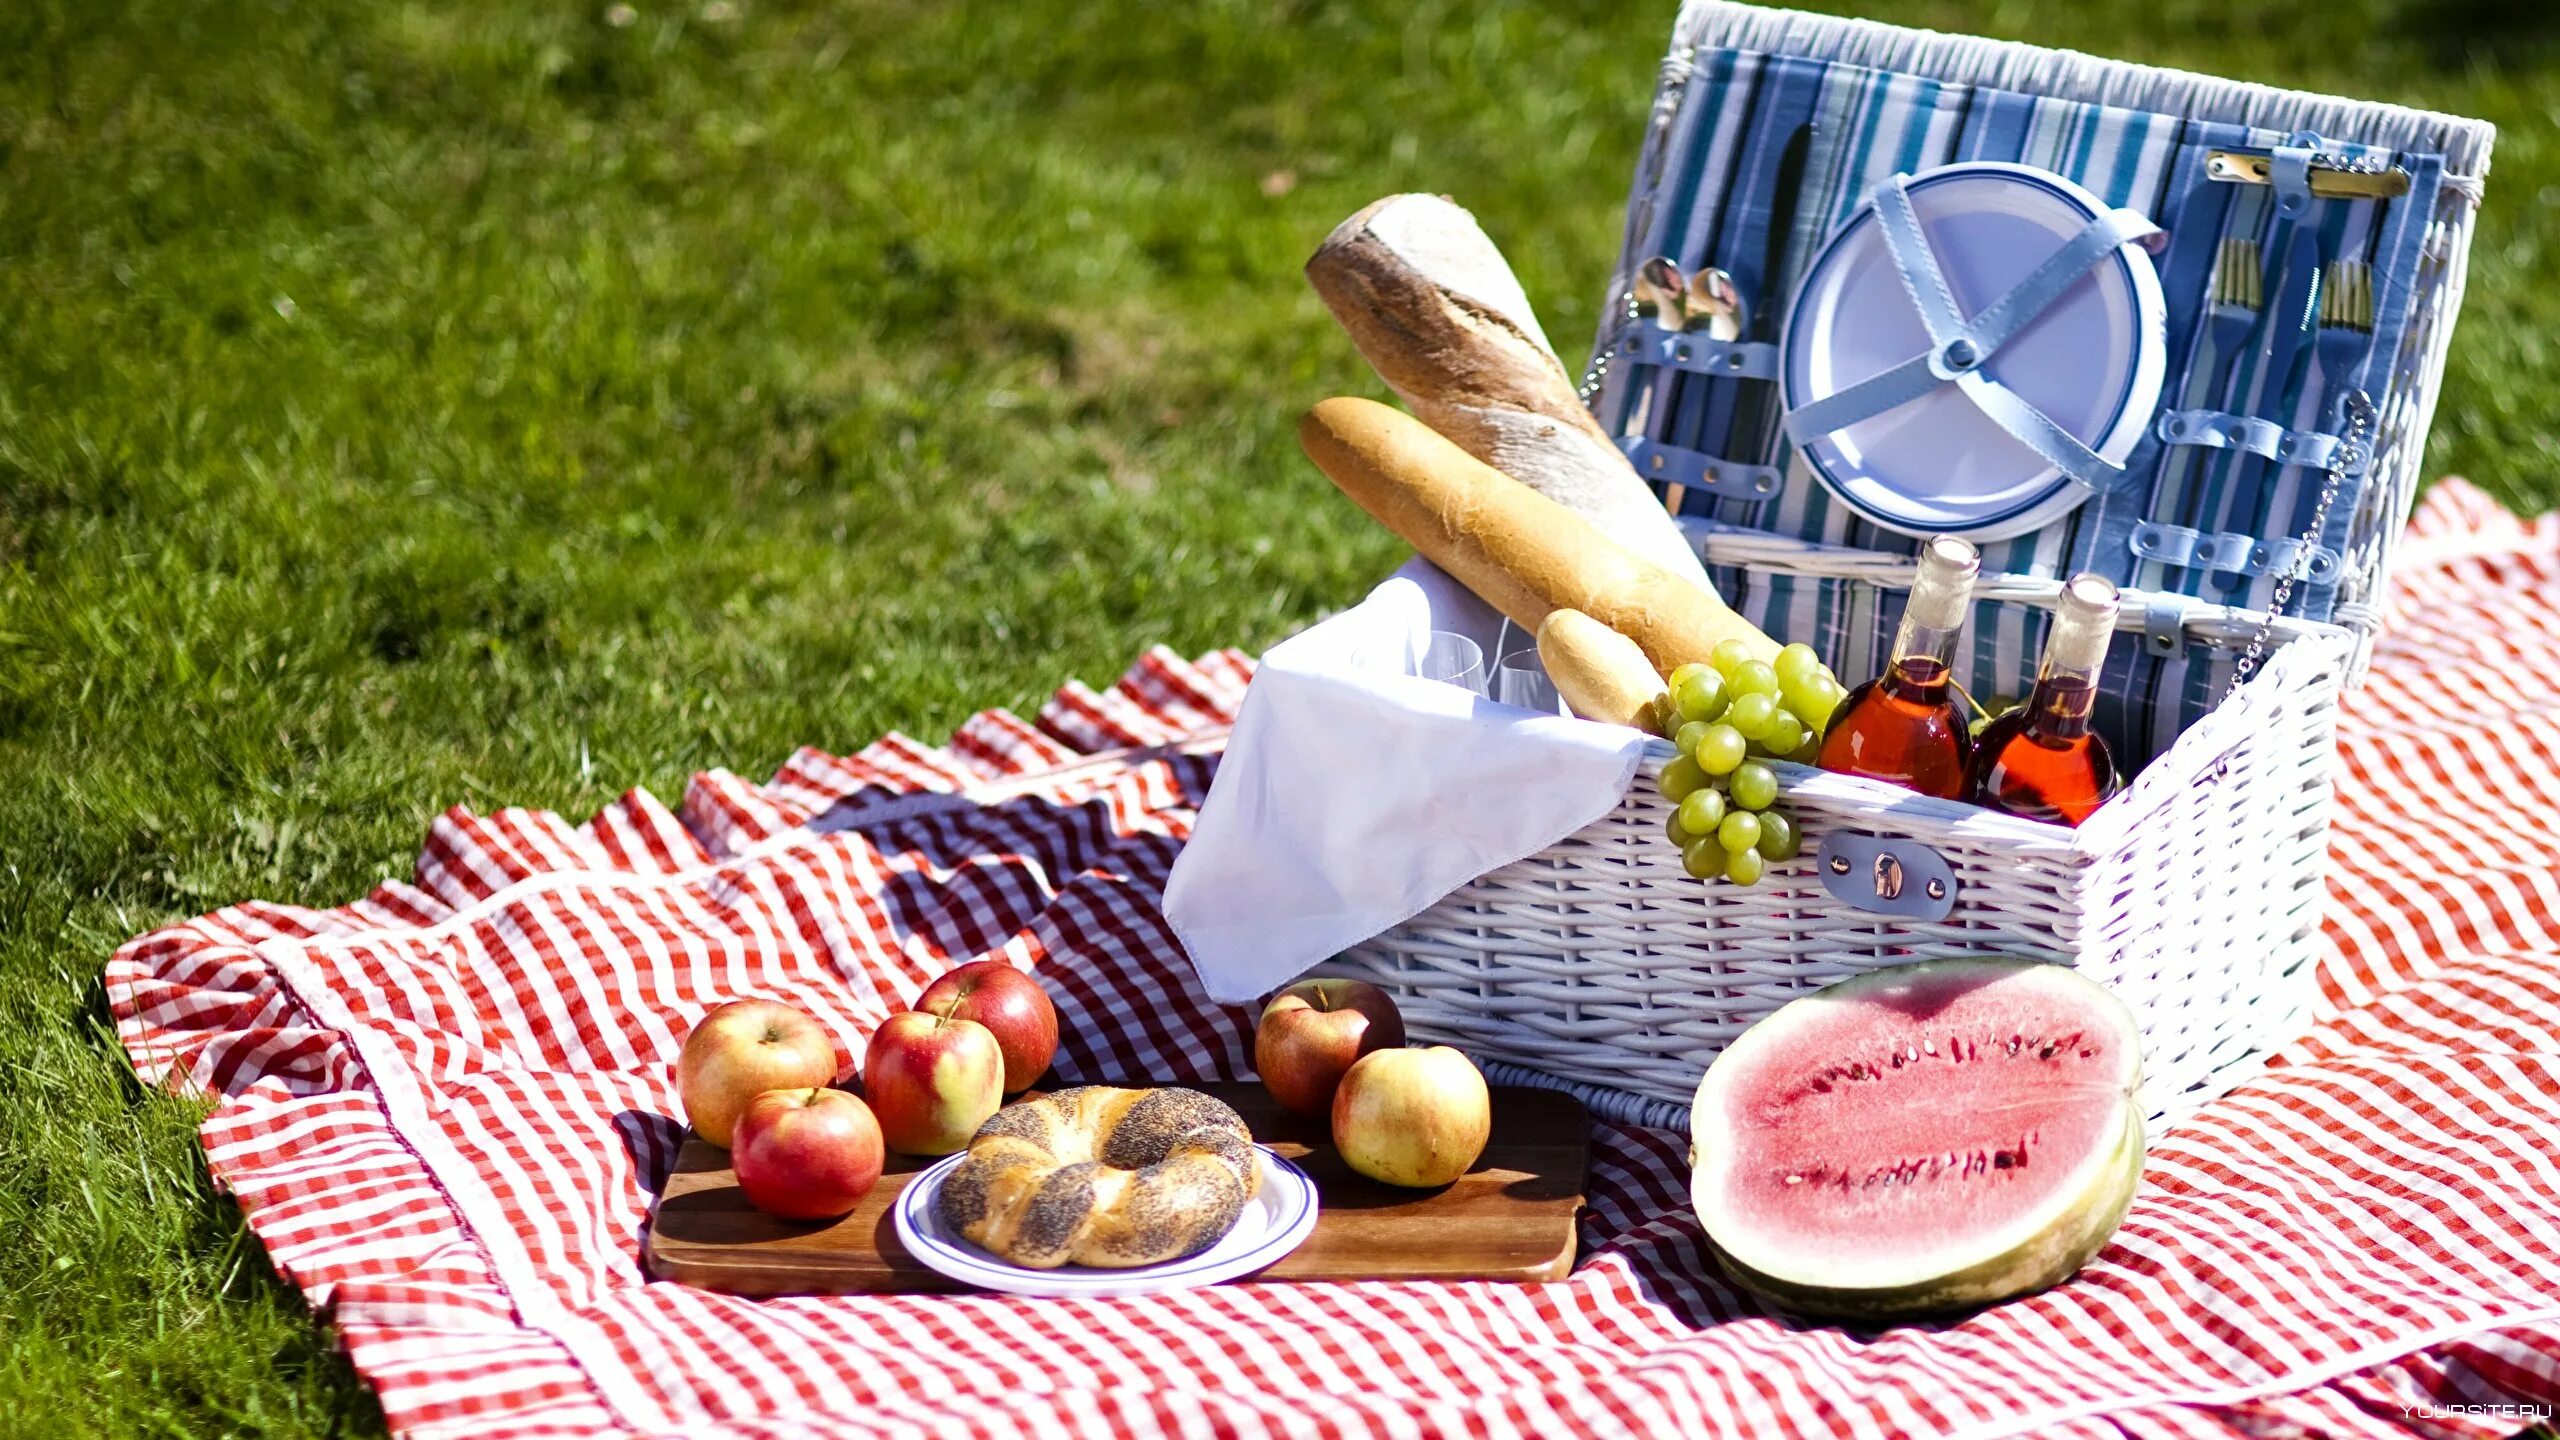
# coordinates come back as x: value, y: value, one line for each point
x: 1276, y: 1221
x: 2094, y: 361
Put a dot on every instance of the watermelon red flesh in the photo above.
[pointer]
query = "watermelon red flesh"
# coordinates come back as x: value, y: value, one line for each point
x: 1917, y: 1123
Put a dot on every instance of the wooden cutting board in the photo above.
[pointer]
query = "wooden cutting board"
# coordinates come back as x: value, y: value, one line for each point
x: 1510, y: 1218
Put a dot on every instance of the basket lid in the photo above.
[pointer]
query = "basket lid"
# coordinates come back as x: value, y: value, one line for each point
x: 2218, y: 432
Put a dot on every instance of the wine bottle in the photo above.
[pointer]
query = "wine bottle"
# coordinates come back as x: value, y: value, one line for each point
x: 2041, y: 760
x: 1903, y: 727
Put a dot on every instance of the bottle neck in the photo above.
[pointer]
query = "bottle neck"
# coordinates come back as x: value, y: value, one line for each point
x: 2059, y: 708
x: 1924, y: 648
x: 1923, y: 657
x: 2067, y: 682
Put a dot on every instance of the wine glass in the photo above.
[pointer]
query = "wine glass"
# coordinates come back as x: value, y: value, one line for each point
x: 1451, y: 659
x: 1520, y: 678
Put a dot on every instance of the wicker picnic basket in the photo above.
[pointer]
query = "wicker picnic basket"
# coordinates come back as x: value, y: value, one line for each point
x: 2197, y: 894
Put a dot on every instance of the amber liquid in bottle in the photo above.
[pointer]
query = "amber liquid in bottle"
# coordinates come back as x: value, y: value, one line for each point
x: 2042, y: 760
x: 1904, y: 727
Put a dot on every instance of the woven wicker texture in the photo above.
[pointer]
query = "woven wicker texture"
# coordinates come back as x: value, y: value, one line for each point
x: 2196, y: 895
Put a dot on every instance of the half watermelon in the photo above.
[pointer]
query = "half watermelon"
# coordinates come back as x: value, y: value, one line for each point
x: 1920, y: 1139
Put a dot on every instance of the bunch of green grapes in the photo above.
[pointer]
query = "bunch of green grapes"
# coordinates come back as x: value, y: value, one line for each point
x: 1728, y: 718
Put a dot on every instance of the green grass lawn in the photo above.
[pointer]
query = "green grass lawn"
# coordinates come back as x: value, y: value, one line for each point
x: 404, y: 404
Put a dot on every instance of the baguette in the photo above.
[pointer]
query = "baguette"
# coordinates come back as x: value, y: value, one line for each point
x: 1523, y: 553
x: 1602, y: 674
x: 1435, y: 309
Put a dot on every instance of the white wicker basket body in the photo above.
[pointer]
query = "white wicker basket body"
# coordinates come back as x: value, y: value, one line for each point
x: 1599, y: 963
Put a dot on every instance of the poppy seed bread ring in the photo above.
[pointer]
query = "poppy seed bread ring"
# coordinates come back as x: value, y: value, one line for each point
x: 1103, y: 1176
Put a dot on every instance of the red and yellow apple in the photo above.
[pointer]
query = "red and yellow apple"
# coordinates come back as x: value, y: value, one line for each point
x: 1312, y: 1032
x: 739, y: 1051
x: 1008, y: 1002
x: 806, y: 1154
x: 1416, y: 1118
x: 932, y: 1080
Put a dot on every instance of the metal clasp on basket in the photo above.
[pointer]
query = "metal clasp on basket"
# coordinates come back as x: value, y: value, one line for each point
x: 1887, y: 875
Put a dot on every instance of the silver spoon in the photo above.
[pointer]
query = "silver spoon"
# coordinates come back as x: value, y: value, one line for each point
x: 1661, y: 289
x: 1714, y: 301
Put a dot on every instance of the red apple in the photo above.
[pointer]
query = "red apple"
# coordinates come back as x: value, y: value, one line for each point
x: 743, y: 1049
x: 1007, y: 1001
x: 1312, y: 1032
x: 1417, y: 1118
x: 806, y: 1154
x: 932, y: 1080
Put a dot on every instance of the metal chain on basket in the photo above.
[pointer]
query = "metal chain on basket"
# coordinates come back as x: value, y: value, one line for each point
x: 2332, y: 478
x: 1598, y: 369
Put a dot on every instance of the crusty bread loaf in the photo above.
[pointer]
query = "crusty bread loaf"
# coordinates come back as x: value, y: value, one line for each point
x: 1602, y: 674
x: 1523, y: 553
x: 1436, y: 311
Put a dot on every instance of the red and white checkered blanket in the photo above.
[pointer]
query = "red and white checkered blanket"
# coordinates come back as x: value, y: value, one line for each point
x: 444, y: 1108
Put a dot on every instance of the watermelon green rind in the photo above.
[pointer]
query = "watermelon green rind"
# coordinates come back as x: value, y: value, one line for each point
x: 1866, y: 1278
x: 2040, y: 1264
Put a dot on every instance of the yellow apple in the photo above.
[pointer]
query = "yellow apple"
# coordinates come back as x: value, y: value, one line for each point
x: 1417, y: 1118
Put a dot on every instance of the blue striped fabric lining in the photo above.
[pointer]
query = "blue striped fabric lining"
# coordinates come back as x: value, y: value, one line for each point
x: 1715, y: 202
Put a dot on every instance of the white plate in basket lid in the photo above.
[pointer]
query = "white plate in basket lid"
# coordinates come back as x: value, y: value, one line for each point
x: 1947, y: 435
x: 1275, y: 1221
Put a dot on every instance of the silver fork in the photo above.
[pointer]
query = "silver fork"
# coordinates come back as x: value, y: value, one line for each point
x: 2345, y: 339
x: 2346, y: 328
x: 2231, y: 317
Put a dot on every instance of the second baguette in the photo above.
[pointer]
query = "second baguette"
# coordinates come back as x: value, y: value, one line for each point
x: 1599, y: 672
x: 1523, y: 553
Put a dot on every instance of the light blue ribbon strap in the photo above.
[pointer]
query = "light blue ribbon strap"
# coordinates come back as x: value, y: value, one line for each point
x: 1908, y: 247
x: 1893, y: 386
x: 1958, y: 347
x: 2037, y: 431
x: 2100, y: 238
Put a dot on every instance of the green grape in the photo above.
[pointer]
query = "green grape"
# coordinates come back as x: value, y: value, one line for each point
x: 1678, y: 834
x: 1753, y: 677
x: 1812, y: 698
x: 1704, y: 859
x: 1700, y: 695
x: 1784, y: 735
x: 1754, y: 785
x: 1739, y: 831
x: 1779, y: 837
x: 1797, y: 662
x: 1684, y: 672
x: 1729, y: 655
x: 1811, y: 754
x: 1751, y: 715
x: 1744, y: 867
x: 1720, y: 749
x: 1702, y: 812
x: 1685, y: 739
x: 1680, y: 779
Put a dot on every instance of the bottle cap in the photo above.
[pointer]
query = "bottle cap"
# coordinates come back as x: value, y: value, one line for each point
x: 1944, y: 588
x: 2084, y: 622
x: 2091, y: 594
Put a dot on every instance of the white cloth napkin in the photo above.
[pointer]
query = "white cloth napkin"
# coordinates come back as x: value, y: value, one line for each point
x: 1352, y: 796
